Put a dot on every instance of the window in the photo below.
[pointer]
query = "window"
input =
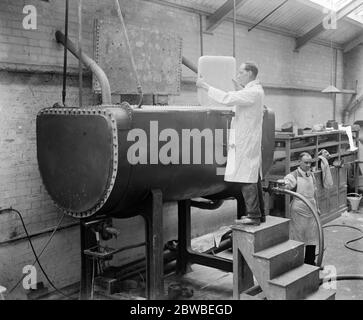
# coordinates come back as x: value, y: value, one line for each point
x: 336, y: 5
x: 357, y: 15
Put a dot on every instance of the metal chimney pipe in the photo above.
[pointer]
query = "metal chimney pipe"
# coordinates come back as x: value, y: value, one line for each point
x: 190, y: 65
x: 91, y: 64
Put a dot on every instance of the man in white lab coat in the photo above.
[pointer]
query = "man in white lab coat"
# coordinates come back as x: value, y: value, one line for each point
x: 244, y: 154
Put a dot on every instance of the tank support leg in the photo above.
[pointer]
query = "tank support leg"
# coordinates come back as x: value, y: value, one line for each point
x: 155, y: 247
x: 88, y: 240
x: 184, y: 236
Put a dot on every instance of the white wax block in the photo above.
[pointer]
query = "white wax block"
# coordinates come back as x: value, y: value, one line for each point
x: 218, y: 72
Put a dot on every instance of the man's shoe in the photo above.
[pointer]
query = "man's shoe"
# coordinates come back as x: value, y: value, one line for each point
x: 263, y: 219
x: 249, y: 221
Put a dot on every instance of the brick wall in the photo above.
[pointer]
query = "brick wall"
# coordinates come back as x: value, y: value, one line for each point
x: 353, y: 70
x: 22, y: 96
x: 281, y: 70
x: 60, y: 261
x: 30, y: 80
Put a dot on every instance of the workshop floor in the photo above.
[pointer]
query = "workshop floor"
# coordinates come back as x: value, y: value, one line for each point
x: 344, y: 260
x: 211, y: 284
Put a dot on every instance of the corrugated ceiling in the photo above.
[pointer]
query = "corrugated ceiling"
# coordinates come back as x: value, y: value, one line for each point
x: 296, y: 16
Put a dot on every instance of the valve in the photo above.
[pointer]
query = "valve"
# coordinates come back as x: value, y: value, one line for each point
x: 275, y: 186
x: 106, y: 230
x: 112, y: 231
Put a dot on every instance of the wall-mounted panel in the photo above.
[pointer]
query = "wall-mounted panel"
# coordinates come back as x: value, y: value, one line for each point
x: 157, y: 57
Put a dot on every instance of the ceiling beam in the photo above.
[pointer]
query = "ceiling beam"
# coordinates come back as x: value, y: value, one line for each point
x: 243, y: 22
x: 215, y: 19
x: 319, y: 28
x: 353, y: 43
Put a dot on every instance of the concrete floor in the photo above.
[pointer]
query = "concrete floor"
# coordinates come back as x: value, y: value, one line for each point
x: 211, y: 284
x: 345, y: 261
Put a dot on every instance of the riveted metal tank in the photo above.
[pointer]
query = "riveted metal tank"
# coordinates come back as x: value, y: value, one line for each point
x: 84, y: 156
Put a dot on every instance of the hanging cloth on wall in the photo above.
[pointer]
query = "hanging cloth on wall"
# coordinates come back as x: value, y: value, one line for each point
x: 327, y: 177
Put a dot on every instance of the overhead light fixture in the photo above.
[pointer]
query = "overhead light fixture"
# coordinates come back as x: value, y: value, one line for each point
x: 331, y: 89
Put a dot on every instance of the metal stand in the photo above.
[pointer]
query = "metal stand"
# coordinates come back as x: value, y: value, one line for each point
x: 187, y: 256
x: 88, y: 240
x: 154, y: 247
x: 153, y: 217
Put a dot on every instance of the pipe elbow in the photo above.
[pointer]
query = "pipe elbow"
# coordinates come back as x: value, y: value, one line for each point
x: 91, y: 64
x: 207, y: 205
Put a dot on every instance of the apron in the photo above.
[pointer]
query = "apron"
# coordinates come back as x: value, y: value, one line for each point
x: 303, y: 227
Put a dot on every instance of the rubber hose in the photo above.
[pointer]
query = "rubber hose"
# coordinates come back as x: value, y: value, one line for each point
x: 210, y: 205
x: 347, y: 277
x: 315, y: 215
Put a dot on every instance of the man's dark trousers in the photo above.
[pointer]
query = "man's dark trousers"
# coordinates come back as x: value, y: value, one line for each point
x: 253, y: 199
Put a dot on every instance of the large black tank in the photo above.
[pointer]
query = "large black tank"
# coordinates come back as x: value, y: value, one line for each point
x: 84, y: 164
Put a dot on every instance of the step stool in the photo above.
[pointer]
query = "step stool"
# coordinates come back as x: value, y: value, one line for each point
x: 276, y: 262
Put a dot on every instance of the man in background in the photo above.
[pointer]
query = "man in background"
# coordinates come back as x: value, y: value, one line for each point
x: 303, y: 227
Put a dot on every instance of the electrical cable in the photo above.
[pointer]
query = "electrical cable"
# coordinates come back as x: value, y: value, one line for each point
x: 64, y: 91
x: 93, y: 278
x: 201, y: 34
x: 34, y: 252
x: 39, y: 255
x: 142, y: 279
x: 265, y: 17
x: 234, y: 28
x: 80, y: 70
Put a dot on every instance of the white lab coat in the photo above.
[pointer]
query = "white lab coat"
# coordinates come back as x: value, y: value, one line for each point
x: 244, y: 160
